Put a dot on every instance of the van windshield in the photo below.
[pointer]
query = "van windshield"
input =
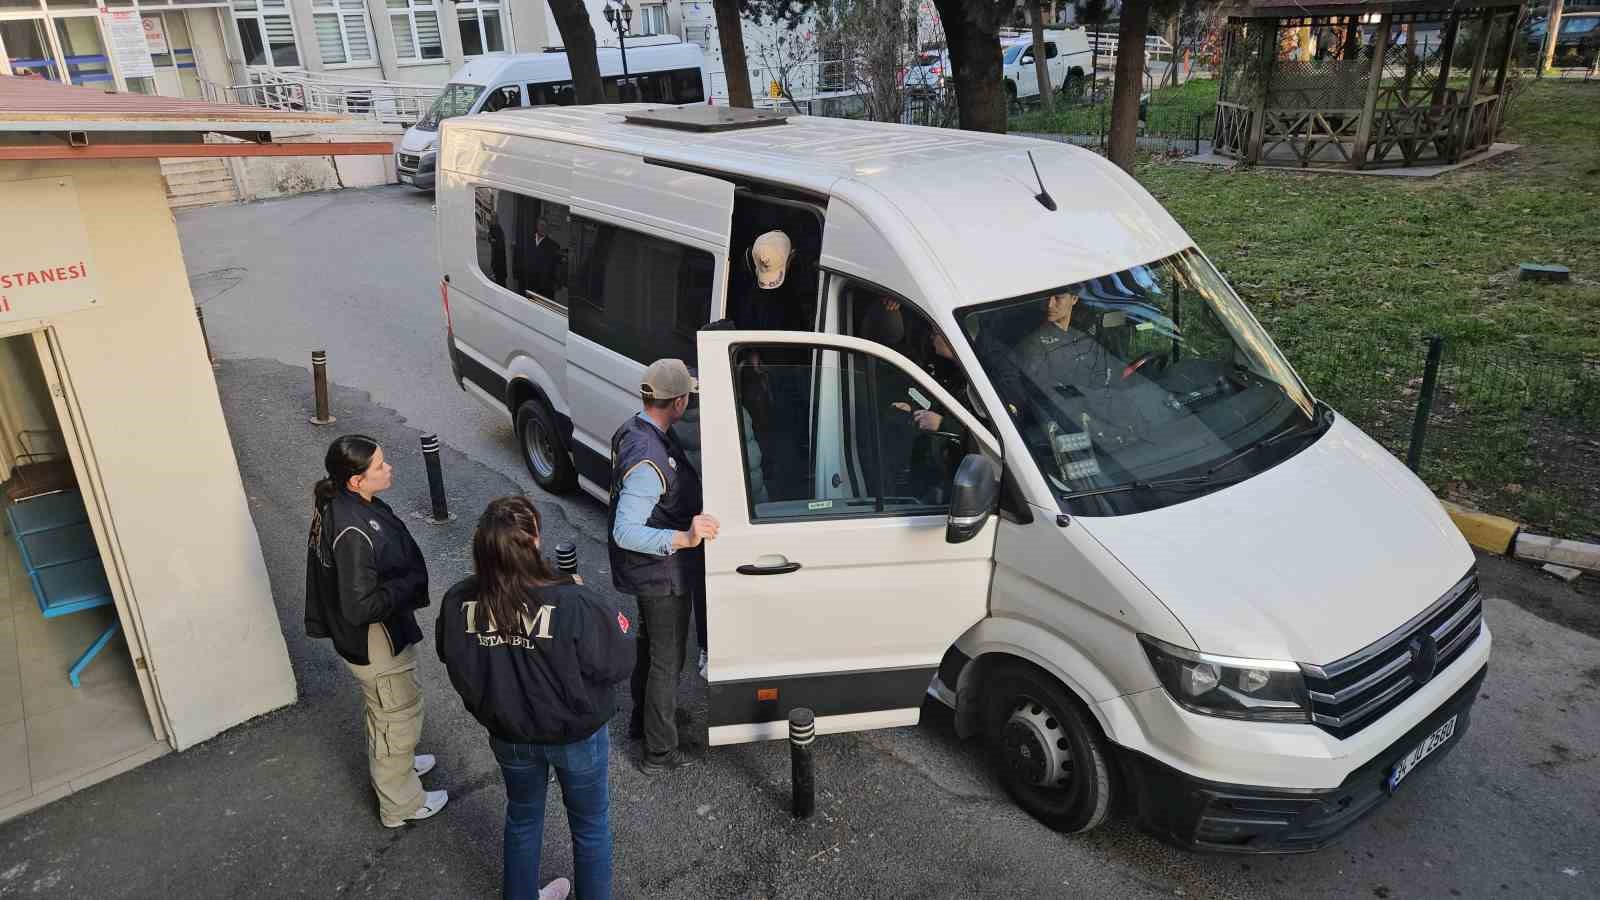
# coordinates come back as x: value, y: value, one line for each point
x: 1142, y: 388
x: 456, y: 100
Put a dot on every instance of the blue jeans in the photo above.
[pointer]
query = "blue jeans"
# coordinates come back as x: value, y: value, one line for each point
x: 581, y: 768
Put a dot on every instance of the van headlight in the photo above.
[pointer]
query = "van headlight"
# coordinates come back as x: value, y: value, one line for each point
x: 1260, y: 690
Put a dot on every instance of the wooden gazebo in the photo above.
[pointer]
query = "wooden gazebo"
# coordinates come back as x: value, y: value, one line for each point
x: 1363, y: 85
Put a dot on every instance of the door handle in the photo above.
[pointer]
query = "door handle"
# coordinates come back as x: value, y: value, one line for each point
x: 782, y: 568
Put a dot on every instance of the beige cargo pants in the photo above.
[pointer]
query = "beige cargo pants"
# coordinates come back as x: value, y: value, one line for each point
x: 393, y: 723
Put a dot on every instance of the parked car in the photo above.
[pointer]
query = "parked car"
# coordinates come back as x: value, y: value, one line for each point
x: 1131, y: 549
x: 928, y: 72
x: 1577, y: 44
x: 1067, y: 55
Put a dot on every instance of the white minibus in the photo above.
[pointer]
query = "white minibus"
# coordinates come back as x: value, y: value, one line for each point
x: 660, y: 69
x: 1021, y: 447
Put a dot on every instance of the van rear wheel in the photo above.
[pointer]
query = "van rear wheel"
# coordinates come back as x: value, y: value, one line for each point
x: 544, y: 451
x: 1045, y: 749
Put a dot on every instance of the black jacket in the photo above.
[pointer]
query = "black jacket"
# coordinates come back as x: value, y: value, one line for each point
x: 365, y: 568
x: 545, y: 680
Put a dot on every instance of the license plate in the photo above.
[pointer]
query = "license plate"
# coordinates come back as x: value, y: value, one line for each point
x: 406, y: 179
x: 1419, y: 753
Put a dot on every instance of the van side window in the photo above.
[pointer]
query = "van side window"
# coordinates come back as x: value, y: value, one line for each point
x: 855, y: 450
x: 504, y: 97
x: 522, y: 244
x: 641, y: 296
x: 556, y: 93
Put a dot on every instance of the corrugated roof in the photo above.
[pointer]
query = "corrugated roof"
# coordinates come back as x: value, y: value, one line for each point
x: 25, y: 99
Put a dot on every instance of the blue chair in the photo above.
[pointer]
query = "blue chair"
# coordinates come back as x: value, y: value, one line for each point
x: 58, y: 552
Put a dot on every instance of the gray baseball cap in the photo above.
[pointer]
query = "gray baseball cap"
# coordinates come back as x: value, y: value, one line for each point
x: 667, y: 379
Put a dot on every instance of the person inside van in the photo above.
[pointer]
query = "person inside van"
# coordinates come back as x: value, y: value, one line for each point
x: 534, y: 656
x: 544, y: 263
x: 1058, y: 356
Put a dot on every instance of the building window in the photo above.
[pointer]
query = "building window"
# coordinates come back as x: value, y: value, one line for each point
x: 266, y: 33
x: 342, y: 33
x: 522, y: 244
x: 482, y: 29
x: 416, y: 29
x: 653, y: 18
x: 638, y: 295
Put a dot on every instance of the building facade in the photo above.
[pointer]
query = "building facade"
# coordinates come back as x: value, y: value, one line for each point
x: 197, y: 46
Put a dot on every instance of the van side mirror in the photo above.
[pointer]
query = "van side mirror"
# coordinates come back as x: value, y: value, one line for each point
x: 973, y: 496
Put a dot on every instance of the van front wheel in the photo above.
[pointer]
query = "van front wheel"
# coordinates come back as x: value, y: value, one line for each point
x: 1045, y: 750
x: 543, y: 450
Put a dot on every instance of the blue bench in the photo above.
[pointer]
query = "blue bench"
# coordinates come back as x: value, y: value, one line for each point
x: 58, y: 552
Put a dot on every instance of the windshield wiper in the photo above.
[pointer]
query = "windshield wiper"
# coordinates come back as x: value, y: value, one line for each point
x: 1322, y: 418
x: 1159, y: 484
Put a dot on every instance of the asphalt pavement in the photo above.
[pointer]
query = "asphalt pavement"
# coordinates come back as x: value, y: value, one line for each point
x: 280, y: 806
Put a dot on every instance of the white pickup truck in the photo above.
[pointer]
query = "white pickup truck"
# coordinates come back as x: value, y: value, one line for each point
x: 1066, y: 53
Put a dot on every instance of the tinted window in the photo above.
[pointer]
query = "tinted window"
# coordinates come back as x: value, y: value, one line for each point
x: 558, y: 93
x: 522, y: 243
x: 641, y: 296
x: 854, y: 449
x: 503, y: 98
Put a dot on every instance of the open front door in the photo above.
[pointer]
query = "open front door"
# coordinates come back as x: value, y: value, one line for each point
x: 831, y: 585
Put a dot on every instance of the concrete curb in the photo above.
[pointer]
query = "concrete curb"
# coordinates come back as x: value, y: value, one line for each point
x: 1504, y: 537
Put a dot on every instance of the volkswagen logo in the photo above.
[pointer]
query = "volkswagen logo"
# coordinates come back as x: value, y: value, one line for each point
x: 1424, y: 658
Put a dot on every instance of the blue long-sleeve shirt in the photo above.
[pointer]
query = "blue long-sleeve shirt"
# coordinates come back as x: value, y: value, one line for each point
x: 641, y: 491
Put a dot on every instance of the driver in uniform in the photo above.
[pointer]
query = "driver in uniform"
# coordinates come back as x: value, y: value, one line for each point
x: 1058, y: 354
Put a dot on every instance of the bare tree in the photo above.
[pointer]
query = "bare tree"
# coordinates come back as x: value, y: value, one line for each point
x: 792, y: 60
x: 869, y: 37
x: 577, y: 37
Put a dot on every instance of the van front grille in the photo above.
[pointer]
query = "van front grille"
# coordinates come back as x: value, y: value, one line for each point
x: 1349, y: 695
x: 409, y: 162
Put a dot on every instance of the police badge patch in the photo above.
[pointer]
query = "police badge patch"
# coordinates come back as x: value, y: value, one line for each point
x: 374, y: 524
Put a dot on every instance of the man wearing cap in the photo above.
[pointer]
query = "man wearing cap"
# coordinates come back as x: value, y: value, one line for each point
x: 656, y: 528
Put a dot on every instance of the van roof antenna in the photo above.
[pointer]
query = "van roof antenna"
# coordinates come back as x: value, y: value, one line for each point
x: 1044, y: 198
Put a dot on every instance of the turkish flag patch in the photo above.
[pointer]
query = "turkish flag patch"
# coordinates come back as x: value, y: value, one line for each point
x: 622, y: 622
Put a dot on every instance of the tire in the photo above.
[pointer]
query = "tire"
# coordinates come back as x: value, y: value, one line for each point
x: 1032, y: 726
x: 544, y: 450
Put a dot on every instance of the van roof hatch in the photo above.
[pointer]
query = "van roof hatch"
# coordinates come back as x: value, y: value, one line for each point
x: 706, y: 118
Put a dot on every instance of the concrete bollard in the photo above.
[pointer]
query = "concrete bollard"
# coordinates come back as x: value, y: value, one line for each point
x: 802, y: 732
x: 430, y: 458
x: 319, y: 384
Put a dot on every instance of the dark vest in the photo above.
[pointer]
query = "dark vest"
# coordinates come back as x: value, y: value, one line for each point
x: 639, y: 442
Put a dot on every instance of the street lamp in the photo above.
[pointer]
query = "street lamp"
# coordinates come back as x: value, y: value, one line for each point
x: 619, y: 15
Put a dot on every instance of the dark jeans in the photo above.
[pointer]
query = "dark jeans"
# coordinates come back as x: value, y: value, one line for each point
x: 581, y: 768
x: 664, y: 624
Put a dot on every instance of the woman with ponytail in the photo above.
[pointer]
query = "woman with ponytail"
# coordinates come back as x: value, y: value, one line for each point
x: 534, y: 655
x: 365, y: 578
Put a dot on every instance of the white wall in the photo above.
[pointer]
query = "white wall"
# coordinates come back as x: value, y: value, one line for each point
x: 161, y: 454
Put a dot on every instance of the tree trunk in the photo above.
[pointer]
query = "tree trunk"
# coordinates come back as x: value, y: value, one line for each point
x: 577, y: 36
x: 1124, y: 136
x: 730, y: 33
x: 1547, y: 54
x: 972, y: 34
x: 1041, y: 60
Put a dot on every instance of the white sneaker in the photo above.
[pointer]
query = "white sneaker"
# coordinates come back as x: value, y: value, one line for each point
x: 556, y: 890
x: 432, y: 803
x: 423, y: 763
x: 703, y: 675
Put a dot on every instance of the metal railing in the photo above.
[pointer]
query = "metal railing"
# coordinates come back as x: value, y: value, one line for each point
x: 381, y: 101
x: 1156, y: 47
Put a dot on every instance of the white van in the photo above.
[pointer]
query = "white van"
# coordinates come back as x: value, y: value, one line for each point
x: 661, y: 69
x: 1021, y: 447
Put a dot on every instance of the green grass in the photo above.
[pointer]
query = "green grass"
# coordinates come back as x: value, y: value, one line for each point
x: 1172, y: 111
x: 1348, y: 272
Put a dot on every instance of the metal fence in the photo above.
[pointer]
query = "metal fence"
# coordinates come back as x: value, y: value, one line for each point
x: 1498, y: 427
